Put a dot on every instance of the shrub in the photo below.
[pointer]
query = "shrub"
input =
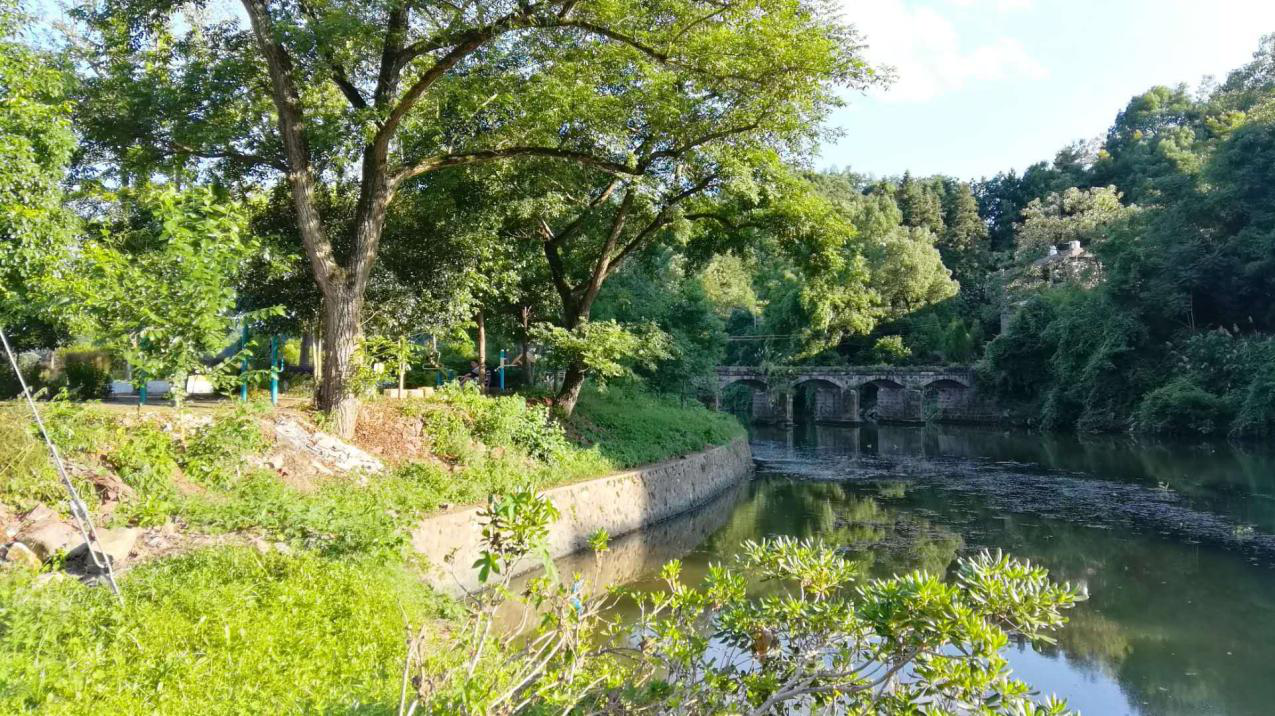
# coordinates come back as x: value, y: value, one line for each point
x: 809, y: 642
x: 88, y: 374
x: 1256, y: 414
x: 1182, y: 407
x: 889, y: 350
x: 215, y: 454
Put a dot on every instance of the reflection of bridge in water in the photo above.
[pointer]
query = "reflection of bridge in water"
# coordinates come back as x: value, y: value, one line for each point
x: 850, y: 394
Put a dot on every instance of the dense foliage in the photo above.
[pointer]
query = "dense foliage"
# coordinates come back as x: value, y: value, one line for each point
x: 1176, y: 335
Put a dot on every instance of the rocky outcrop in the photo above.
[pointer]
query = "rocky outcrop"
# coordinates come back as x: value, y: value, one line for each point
x: 329, y: 453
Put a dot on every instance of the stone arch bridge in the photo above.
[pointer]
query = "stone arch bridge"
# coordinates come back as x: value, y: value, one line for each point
x: 850, y: 394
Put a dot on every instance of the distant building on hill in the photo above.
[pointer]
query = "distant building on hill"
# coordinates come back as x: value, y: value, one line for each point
x: 1072, y: 265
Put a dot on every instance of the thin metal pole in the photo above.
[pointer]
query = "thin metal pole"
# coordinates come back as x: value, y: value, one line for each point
x: 79, y: 510
x: 243, y: 380
x: 274, y: 370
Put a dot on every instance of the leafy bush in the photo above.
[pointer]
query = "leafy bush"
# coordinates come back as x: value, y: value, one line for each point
x: 809, y: 643
x: 1182, y: 407
x: 506, y: 421
x: 1256, y: 415
x: 889, y: 350
x: 215, y: 454
x: 605, y: 348
x: 88, y: 374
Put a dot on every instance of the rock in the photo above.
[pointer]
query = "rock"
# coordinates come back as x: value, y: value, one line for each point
x: 282, y: 548
x: 22, y: 556
x: 51, y: 578
x: 8, y: 524
x: 115, y: 543
x: 332, y: 451
x: 48, y: 537
x: 262, y: 546
x: 276, y: 461
x: 39, y: 513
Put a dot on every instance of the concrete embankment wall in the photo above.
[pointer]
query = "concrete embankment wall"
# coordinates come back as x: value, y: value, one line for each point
x: 619, y: 503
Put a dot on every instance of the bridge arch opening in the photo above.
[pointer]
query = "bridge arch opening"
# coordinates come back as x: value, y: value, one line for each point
x: 748, y: 398
x: 870, y: 394
x: 818, y: 400
x: 942, y: 397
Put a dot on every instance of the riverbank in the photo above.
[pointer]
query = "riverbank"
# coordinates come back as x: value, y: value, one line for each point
x: 616, y: 504
x: 301, y: 606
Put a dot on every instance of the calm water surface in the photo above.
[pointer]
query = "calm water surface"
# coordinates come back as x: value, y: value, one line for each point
x: 1175, y: 543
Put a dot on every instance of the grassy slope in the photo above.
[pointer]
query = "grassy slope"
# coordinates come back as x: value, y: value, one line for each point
x: 228, y: 630
x: 631, y: 428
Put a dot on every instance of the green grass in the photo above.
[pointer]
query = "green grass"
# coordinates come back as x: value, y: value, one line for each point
x: 481, y: 445
x: 630, y: 427
x: 218, y: 631
x: 230, y: 631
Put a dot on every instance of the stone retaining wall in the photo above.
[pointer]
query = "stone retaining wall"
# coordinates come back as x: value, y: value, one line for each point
x: 620, y: 503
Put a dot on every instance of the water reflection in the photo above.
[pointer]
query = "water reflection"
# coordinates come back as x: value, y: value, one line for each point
x: 1167, y: 538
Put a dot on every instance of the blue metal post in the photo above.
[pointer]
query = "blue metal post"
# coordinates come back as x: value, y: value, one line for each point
x: 141, y: 391
x: 274, y: 370
x: 502, y: 370
x: 243, y: 376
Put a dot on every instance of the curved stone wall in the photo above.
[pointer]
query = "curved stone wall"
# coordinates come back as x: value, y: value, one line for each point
x: 619, y: 503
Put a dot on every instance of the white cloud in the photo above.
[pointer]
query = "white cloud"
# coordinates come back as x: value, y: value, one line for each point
x: 926, y: 51
x: 999, y: 5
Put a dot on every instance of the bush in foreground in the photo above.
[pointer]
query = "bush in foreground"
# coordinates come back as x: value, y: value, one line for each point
x: 815, y: 639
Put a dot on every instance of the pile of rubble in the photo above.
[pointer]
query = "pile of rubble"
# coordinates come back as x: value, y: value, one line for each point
x: 41, y: 535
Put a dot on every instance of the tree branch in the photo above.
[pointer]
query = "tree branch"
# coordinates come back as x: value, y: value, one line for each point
x: 662, y: 219
x: 392, y: 61
x: 228, y: 153
x: 676, y: 152
x: 466, y: 44
x: 570, y: 229
x: 339, y: 75
x: 291, y: 121
x: 602, y: 268
x: 462, y: 158
x: 557, y: 270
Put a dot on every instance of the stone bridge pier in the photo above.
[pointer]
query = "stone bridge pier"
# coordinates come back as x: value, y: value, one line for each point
x: 850, y: 394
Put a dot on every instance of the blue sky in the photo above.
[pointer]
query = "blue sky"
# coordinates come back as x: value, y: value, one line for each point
x: 990, y: 85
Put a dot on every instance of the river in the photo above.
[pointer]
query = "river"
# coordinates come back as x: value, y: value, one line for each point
x: 1175, y: 544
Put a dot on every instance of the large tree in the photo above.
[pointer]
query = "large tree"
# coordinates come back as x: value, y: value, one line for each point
x: 36, y: 143
x: 387, y: 92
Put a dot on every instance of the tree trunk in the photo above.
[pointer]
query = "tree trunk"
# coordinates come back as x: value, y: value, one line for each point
x: 569, y: 394
x: 482, y: 351
x: 307, y: 352
x: 528, y: 376
x: 341, y: 334
x: 402, y: 365
x: 577, y: 372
